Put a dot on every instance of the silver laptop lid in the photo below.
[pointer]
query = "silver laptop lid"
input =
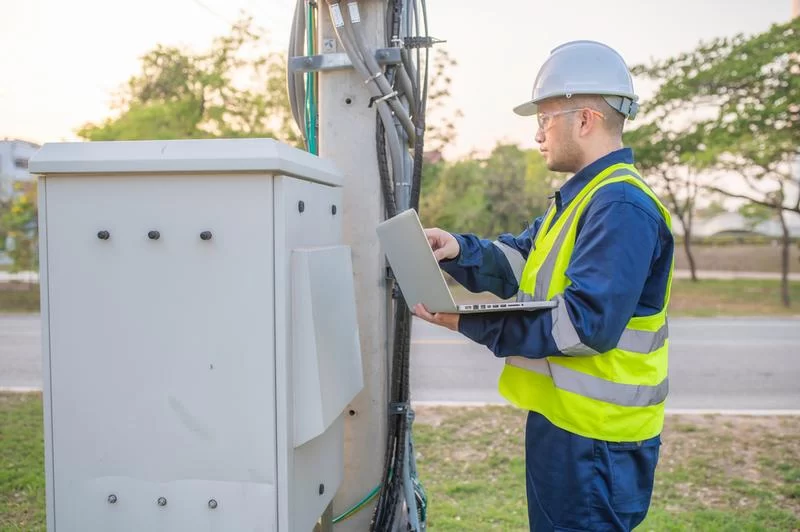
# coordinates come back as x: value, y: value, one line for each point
x: 415, y: 268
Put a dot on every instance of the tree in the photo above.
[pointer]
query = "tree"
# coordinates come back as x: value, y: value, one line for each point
x: 714, y: 208
x: 19, y: 223
x: 744, y: 94
x: 488, y: 196
x: 456, y: 202
x: 755, y: 214
x: 441, y: 119
x: 666, y: 158
x: 234, y: 89
x: 517, y: 188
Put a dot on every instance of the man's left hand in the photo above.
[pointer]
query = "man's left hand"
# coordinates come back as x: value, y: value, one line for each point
x: 443, y: 319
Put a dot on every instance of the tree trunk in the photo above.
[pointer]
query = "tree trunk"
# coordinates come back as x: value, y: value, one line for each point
x: 786, y: 243
x: 687, y: 246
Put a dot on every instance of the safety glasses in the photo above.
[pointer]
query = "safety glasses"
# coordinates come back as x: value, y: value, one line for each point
x: 545, y: 119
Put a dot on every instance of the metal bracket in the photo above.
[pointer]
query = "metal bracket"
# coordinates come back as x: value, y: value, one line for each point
x: 340, y: 61
x: 398, y: 408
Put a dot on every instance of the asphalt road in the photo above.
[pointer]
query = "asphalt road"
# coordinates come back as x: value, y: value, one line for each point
x: 721, y: 363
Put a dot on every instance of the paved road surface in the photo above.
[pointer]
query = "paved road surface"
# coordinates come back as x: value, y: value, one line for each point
x: 714, y: 364
x: 739, y: 363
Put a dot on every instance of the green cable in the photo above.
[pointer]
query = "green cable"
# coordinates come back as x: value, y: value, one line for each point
x: 363, y: 502
x: 311, y: 87
x: 359, y: 506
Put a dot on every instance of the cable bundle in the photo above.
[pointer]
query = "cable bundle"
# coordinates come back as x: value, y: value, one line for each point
x: 399, y: 93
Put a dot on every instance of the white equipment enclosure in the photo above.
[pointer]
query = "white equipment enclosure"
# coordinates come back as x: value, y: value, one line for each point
x: 200, y: 340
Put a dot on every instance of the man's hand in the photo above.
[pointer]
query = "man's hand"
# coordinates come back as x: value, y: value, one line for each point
x: 443, y: 244
x: 449, y: 321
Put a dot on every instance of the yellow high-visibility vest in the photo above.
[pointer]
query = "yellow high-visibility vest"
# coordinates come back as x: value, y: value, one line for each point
x: 614, y: 396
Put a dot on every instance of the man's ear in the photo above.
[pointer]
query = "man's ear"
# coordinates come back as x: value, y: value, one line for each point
x: 588, y: 121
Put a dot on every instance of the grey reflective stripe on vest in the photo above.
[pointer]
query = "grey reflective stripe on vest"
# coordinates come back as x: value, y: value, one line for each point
x: 514, y: 257
x: 643, y: 341
x: 524, y: 297
x: 565, y: 334
x: 594, y: 387
x: 545, y: 273
x: 569, y: 343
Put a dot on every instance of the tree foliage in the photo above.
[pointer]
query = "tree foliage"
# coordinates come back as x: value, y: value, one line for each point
x: 731, y: 108
x: 19, y: 224
x: 441, y: 117
x: 488, y: 196
x: 234, y: 89
x: 742, y: 95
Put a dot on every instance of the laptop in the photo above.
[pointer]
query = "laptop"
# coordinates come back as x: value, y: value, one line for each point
x: 419, y: 276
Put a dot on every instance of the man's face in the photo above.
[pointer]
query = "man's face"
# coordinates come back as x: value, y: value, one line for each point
x: 557, y: 135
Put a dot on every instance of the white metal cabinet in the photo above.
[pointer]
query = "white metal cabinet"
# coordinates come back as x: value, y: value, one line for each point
x: 169, y: 389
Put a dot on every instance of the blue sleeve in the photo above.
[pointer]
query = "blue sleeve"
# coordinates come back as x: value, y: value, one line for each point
x: 486, y: 266
x: 617, y: 240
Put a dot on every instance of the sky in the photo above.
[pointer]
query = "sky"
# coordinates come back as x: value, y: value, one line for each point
x: 63, y: 60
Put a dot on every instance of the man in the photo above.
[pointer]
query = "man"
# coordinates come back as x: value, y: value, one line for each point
x: 592, y: 372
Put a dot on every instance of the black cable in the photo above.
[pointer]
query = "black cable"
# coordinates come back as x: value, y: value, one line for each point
x: 424, y: 100
x: 387, y: 184
x: 419, y: 143
x: 388, y: 494
x: 392, y: 493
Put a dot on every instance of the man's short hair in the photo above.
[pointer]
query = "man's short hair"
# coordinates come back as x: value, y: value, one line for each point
x: 614, y: 121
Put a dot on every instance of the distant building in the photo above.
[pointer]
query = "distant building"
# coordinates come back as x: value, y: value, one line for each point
x: 14, y: 156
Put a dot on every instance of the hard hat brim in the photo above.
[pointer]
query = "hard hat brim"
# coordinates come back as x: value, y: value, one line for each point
x: 528, y: 108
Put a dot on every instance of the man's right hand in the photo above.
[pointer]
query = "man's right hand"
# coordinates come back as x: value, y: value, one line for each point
x: 444, y: 245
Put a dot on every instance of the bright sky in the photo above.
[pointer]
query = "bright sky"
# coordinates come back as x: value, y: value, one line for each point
x: 63, y: 59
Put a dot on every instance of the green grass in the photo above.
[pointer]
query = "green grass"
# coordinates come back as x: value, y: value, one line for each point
x: 21, y: 463
x: 738, y: 297
x: 20, y: 298
x: 715, y: 473
x: 738, y: 254
x: 707, y: 298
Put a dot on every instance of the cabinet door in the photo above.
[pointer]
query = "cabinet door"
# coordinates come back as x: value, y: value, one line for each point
x: 302, y: 470
x: 162, y: 351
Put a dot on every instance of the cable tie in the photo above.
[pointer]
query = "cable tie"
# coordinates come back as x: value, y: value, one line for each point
x: 371, y: 78
x: 421, y: 42
x: 378, y: 99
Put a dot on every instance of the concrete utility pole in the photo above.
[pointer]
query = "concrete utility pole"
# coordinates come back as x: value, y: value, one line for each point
x: 347, y: 137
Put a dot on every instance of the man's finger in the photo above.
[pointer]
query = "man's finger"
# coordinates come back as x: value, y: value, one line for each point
x: 422, y: 312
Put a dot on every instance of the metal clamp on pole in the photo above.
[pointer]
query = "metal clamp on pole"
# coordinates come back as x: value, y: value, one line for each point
x: 340, y: 61
x: 397, y: 409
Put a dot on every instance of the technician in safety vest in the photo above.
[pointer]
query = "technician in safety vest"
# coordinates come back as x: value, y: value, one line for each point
x: 592, y: 372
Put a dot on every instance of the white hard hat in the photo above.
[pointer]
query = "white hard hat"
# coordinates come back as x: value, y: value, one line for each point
x: 584, y: 67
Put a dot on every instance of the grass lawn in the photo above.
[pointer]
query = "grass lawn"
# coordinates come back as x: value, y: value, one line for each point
x: 738, y: 257
x: 738, y: 297
x: 731, y: 298
x: 20, y: 297
x: 715, y: 473
x: 21, y: 463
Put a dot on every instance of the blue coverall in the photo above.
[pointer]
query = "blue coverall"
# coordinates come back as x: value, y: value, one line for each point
x: 619, y: 268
